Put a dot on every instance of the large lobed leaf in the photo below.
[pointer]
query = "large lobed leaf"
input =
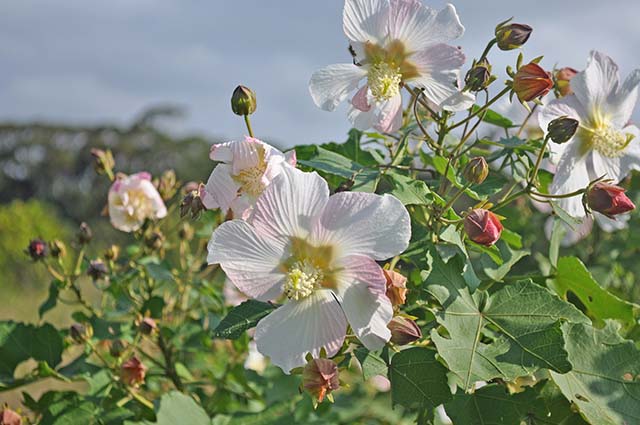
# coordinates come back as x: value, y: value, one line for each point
x: 605, y: 380
x: 507, y: 333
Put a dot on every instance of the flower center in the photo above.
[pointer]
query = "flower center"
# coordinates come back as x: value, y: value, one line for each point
x: 302, y: 279
x: 384, y: 80
x: 136, y: 205
x: 250, y: 180
x: 607, y: 141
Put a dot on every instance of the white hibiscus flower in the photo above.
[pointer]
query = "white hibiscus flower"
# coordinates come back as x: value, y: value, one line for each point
x: 320, y: 252
x: 394, y: 42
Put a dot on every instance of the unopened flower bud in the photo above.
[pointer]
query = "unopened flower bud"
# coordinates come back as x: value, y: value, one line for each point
x: 132, y: 372
x: 483, y: 227
x: 84, y: 234
x: 37, y: 249
x: 511, y: 36
x: 9, y: 417
x: 103, y: 161
x: 476, y: 170
x: 396, y: 287
x: 167, y: 185
x: 154, y: 240
x: 112, y: 253
x: 80, y: 332
x: 608, y: 199
x: 562, y: 80
x: 97, y: 270
x: 319, y: 378
x: 243, y: 101
x: 192, y: 203
x: 479, y: 76
x: 562, y: 129
x: 57, y: 248
x: 147, y: 326
x: 117, y: 348
x: 404, y: 330
x: 531, y: 82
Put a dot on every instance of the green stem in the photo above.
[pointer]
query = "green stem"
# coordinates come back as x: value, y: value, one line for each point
x: 482, y: 109
x: 454, y: 199
x: 247, y: 121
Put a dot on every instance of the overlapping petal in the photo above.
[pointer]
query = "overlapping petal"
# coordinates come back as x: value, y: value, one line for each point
x: 331, y: 85
x: 366, y: 21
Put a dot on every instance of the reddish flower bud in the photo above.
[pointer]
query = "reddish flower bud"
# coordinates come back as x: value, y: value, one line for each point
x: 9, y: 417
x: 531, y: 82
x: 512, y: 36
x: 37, y: 249
x: 396, y: 287
x: 563, y: 77
x: 133, y: 371
x: 608, y: 199
x: 483, y: 227
x: 147, y: 326
x: 320, y: 377
x: 404, y: 330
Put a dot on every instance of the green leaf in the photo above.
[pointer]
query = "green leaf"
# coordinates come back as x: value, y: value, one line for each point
x: 364, y: 179
x: 20, y: 342
x: 509, y: 258
x: 572, y: 276
x: 557, y: 235
x: 492, y: 404
x: 492, y: 117
x: 605, y: 381
x: 276, y: 414
x: 522, y: 320
x: 372, y: 364
x: 409, y: 191
x: 177, y: 408
x: 418, y: 380
x: 241, y: 318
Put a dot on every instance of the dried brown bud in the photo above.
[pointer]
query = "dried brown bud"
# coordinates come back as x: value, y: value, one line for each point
x: 404, y: 330
x: 319, y: 378
x: 133, y: 371
x: 112, y: 253
x: 117, y: 348
x: 84, y: 234
x: 192, y: 203
x: 97, y: 270
x: 243, y: 101
x: 396, y: 287
x: 147, y: 326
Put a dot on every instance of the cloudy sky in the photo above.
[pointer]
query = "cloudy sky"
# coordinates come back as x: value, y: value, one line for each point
x: 93, y: 61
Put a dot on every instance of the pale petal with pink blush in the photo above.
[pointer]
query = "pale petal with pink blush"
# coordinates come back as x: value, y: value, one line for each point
x: 439, y: 69
x: 250, y: 260
x: 362, y: 120
x: 133, y: 200
x: 331, y: 85
x: 366, y: 20
x: 363, y: 223
x: 361, y: 288
x: 388, y: 115
x: 300, y: 327
x: 360, y: 100
x: 287, y: 206
x: 221, y: 189
x: 419, y: 26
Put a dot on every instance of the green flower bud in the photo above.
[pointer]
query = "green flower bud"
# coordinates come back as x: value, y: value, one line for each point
x: 476, y: 170
x: 243, y: 101
x: 479, y: 76
x: 562, y: 129
x: 512, y: 36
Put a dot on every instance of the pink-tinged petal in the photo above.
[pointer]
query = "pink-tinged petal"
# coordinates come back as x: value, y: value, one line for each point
x: 246, y: 154
x: 360, y: 100
x: 221, y: 189
x: 159, y: 209
x: 597, y: 82
x: 362, y: 120
x: 624, y: 101
x: 250, y: 260
x: 287, y: 205
x: 572, y: 174
x: 221, y: 152
x: 331, y: 85
x: 361, y: 290
x: 366, y: 21
x: 358, y: 223
x: 241, y: 207
x: 300, y: 327
x: 418, y: 26
x: 143, y: 175
x: 389, y: 115
x: 291, y: 158
x: 439, y: 71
